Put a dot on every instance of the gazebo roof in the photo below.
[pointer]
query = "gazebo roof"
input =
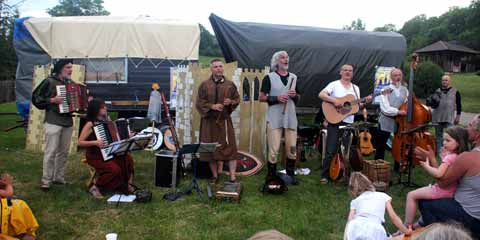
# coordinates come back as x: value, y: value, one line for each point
x: 446, y: 46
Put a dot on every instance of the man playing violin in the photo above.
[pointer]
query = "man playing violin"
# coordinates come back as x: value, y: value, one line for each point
x: 389, y: 108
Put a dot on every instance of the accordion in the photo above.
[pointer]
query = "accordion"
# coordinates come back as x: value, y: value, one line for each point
x: 116, y: 138
x: 74, y: 98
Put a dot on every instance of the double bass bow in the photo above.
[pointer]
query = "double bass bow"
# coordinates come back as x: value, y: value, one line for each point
x: 411, y: 130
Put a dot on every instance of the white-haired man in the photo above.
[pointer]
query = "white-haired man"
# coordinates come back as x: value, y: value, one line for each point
x: 389, y: 108
x: 279, y: 90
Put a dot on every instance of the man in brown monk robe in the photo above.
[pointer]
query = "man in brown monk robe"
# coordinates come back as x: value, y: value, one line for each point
x: 217, y: 99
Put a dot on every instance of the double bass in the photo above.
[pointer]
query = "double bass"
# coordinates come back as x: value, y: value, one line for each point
x: 418, y: 116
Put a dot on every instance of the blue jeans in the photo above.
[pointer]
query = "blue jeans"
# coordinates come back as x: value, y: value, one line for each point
x: 439, y: 134
x: 448, y: 210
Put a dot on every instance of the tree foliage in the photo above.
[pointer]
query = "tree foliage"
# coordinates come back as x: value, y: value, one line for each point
x: 386, y: 28
x: 357, y: 25
x: 460, y: 24
x: 78, y: 8
x: 8, y: 59
x: 427, y: 79
x: 208, y: 43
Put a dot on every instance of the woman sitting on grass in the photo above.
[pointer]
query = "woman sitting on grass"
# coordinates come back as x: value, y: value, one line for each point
x: 455, y: 141
x: 16, y: 218
x: 367, y: 210
x: 113, y: 175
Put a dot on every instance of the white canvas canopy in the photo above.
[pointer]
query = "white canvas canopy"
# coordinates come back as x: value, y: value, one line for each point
x: 112, y: 37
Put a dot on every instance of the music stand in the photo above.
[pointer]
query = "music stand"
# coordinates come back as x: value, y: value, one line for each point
x: 194, y: 149
x: 411, y: 132
x: 138, y: 142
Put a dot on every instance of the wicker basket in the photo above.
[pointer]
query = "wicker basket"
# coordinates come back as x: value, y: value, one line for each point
x: 377, y: 170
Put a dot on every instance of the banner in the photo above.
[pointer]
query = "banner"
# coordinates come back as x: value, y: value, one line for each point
x: 382, y: 79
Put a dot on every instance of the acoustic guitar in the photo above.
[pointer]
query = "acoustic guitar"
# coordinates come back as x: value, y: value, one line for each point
x: 349, y: 106
x: 366, y: 147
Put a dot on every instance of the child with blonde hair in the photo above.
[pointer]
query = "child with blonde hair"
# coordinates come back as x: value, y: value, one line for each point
x: 367, y: 210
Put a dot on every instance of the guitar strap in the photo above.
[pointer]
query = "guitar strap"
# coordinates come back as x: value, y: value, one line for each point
x: 356, y: 94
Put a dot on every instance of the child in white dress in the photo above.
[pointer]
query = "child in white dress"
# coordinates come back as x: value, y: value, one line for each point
x: 367, y: 211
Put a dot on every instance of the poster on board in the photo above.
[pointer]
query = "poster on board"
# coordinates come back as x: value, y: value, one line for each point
x: 382, y: 79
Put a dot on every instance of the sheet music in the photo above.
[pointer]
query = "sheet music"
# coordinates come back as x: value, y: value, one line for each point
x: 207, y: 147
x: 121, y: 198
x: 139, y: 141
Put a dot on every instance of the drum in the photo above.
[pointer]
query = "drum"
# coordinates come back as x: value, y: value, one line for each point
x: 247, y: 164
x: 168, y: 142
x: 137, y: 124
x: 157, y: 139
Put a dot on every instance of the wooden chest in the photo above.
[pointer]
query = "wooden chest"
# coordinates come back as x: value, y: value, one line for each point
x: 378, y: 171
x: 229, y: 192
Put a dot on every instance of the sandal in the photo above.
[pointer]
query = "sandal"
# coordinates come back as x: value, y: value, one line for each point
x: 324, y: 181
x: 95, y: 192
x: 213, y: 180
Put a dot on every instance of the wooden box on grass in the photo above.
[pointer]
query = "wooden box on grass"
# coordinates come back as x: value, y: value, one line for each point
x: 378, y: 171
x: 230, y: 192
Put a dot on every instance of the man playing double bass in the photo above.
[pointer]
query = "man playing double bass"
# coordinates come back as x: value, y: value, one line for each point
x: 389, y: 108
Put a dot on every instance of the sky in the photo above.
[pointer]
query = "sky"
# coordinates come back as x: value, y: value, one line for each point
x: 326, y: 14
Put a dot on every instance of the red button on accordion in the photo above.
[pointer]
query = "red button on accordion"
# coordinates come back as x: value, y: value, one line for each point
x: 74, y: 98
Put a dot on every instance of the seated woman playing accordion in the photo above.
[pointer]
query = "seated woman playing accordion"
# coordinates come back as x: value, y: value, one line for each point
x: 116, y: 174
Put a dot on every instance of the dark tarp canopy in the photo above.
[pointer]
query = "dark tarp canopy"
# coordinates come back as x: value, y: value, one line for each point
x: 316, y: 54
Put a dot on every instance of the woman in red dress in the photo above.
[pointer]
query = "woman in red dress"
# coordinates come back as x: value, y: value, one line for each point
x: 116, y: 174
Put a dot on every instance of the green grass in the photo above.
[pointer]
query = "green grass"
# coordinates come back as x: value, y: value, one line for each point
x: 468, y: 84
x: 308, y: 211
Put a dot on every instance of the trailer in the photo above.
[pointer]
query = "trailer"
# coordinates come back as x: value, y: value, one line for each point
x: 122, y: 56
x: 316, y: 54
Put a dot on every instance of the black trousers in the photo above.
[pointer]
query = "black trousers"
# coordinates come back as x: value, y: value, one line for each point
x: 381, y: 138
x: 381, y: 142
x: 332, y: 142
x: 447, y: 210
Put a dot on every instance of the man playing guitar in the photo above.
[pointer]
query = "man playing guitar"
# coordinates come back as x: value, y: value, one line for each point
x: 331, y: 93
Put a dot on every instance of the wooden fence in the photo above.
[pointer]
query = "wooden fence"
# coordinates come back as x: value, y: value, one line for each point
x: 249, y: 119
x: 35, y: 141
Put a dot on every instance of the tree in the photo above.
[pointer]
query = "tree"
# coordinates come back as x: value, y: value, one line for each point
x: 208, y: 43
x: 427, y: 79
x: 8, y: 59
x: 386, y: 28
x: 78, y: 8
x: 357, y: 25
x: 457, y: 24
